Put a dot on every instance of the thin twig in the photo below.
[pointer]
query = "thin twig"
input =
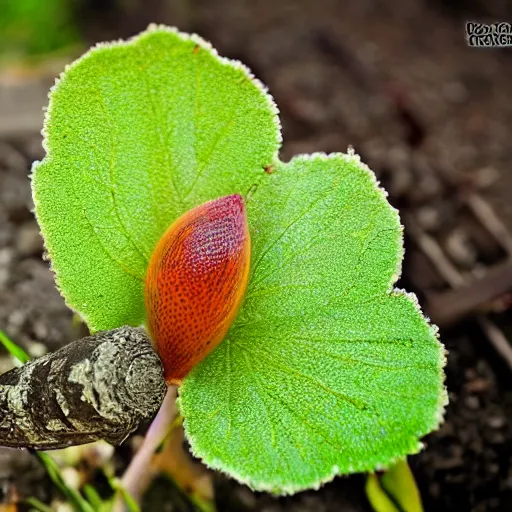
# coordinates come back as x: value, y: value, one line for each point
x: 497, y: 338
x: 434, y: 252
x: 488, y: 218
x: 448, y: 307
x: 450, y: 273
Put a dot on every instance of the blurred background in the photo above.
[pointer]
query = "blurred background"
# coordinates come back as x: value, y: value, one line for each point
x: 430, y: 115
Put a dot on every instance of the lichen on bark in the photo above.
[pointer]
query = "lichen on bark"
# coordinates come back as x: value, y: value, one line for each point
x: 98, y: 387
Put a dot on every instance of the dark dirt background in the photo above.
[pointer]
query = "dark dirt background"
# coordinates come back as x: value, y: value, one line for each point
x: 431, y: 116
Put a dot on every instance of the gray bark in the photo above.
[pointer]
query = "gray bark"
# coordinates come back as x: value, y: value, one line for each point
x: 98, y: 387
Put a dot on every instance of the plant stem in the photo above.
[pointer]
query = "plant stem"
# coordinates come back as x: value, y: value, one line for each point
x: 138, y: 474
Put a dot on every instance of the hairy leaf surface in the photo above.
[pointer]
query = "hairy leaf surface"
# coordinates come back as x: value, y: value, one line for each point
x: 327, y: 368
x: 138, y: 133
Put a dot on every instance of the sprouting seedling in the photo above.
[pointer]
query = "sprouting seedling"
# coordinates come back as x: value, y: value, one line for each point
x: 326, y: 368
x: 395, y: 490
x: 195, y: 283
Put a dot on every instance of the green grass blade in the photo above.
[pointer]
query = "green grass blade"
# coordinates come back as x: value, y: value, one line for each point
x: 131, y: 504
x: 38, y: 505
x: 93, y: 497
x: 13, y: 349
x: 74, y: 497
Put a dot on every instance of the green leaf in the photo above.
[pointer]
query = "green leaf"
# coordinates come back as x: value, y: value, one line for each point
x: 327, y: 370
x: 136, y: 134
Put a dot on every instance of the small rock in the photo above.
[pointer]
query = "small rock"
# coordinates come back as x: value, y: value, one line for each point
x: 493, y: 468
x: 472, y: 402
x: 71, y: 477
x: 459, y: 247
x: 40, y: 330
x: 452, y: 461
x: 16, y: 318
x: 28, y: 240
x: 455, y: 92
x: 4, y: 277
x: 478, y: 385
x: 6, y: 255
x: 36, y: 349
x: 428, y: 218
x: 98, y: 454
x: 62, y: 507
x: 496, y: 422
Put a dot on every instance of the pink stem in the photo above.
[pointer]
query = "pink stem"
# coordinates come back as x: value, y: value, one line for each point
x: 138, y: 474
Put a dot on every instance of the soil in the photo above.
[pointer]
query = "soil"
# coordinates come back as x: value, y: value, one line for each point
x: 431, y: 116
